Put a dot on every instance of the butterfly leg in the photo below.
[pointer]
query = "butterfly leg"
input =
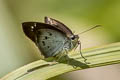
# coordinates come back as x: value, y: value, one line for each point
x: 64, y: 54
x: 67, y: 57
x: 76, y: 47
x: 79, y: 43
x: 60, y: 56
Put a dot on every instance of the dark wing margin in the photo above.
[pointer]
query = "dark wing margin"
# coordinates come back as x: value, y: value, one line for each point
x: 29, y: 30
x: 59, y: 25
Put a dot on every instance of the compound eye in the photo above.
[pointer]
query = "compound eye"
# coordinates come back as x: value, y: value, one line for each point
x: 73, y: 37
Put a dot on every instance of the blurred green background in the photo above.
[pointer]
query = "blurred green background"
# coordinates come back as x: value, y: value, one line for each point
x: 16, y: 50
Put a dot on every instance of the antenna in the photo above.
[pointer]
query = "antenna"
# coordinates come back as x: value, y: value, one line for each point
x: 90, y: 29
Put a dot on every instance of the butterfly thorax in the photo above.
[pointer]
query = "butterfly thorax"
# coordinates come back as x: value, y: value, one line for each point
x: 69, y: 45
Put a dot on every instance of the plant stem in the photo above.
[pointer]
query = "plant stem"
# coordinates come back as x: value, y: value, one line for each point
x: 42, y: 69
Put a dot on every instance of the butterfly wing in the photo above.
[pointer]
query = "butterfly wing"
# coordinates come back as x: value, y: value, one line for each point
x: 49, y: 40
x: 30, y: 29
x: 59, y: 25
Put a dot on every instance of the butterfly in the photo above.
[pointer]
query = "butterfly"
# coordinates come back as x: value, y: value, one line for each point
x: 53, y: 38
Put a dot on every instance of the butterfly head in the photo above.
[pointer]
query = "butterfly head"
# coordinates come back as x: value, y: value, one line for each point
x: 74, y: 39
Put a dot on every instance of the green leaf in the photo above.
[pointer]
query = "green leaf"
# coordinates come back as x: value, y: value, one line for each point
x: 42, y: 69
